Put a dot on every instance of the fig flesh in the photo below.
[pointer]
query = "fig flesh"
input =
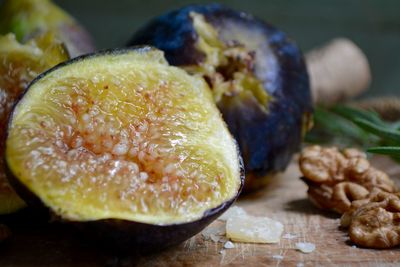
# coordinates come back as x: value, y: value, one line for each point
x: 19, y: 65
x: 28, y: 18
x: 257, y: 74
x: 124, y: 145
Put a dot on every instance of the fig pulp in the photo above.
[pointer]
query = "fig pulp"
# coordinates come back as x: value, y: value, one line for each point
x: 126, y: 146
x: 19, y: 65
x: 256, y: 73
x: 28, y: 18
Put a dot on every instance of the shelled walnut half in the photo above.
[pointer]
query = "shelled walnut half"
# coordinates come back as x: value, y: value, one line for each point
x: 335, y: 178
x: 374, y: 222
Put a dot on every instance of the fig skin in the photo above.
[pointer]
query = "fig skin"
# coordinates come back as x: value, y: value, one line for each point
x: 123, y: 236
x: 268, y: 134
x: 119, y: 235
x: 128, y: 237
x: 28, y: 18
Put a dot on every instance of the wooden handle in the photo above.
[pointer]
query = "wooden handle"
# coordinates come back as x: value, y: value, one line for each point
x: 338, y: 71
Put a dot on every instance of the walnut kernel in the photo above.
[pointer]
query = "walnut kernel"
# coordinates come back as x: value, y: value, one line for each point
x: 344, y: 193
x: 335, y: 178
x: 375, y: 221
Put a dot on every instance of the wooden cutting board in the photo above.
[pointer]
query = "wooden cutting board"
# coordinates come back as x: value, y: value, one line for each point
x: 35, y: 244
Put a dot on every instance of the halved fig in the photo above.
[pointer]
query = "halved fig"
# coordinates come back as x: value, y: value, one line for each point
x: 257, y: 75
x: 29, y: 18
x: 126, y: 146
x: 19, y: 65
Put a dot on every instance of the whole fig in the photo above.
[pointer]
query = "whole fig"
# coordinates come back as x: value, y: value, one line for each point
x: 257, y: 75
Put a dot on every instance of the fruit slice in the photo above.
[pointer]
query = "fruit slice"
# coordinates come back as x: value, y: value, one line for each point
x: 19, y: 65
x: 133, y: 149
x: 28, y: 18
x: 257, y: 75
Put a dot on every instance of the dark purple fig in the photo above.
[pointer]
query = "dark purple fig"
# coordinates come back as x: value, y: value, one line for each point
x: 19, y: 65
x: 125, y: 146
x: 257, y: 75
x: 28, y: 18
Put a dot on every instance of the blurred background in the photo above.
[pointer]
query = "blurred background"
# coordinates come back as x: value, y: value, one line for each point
x: 373, y: 25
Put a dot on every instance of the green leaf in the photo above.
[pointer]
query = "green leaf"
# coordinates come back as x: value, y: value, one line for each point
x: 347, y: 126
x: 386, y: 133
x: 391, y: 151
x: 385, y: 150
x: 395, y: 125
x: 335, y: 129
x: 353, y: 114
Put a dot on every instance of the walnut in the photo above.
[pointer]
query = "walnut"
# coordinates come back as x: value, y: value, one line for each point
x: 322, y: 165
x: 4, y: 232
x: 353, y: 153
x: 335, y: 178
x: 374, y: 222
x: 344, y: 193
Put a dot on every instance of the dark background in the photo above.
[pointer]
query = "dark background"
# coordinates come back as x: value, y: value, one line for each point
x: 374, y: 25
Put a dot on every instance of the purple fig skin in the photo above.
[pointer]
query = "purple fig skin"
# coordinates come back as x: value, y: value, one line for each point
x: 123, y: 236
x: 118, y: 235
x: 268, y: 135
x: 128, y: 237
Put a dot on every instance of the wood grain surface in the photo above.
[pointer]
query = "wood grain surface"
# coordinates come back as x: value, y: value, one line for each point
x: 39, y: 244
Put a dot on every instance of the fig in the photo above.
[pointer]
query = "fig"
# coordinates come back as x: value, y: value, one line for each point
x: 128, y: 148
x: 257, y: 75
x: 28, y: 18
x: 19, y: 65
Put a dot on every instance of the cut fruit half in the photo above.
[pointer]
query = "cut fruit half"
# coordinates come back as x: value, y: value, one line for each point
x: 125, y: 143
x: 19, y: 65
x: 29, y: 18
